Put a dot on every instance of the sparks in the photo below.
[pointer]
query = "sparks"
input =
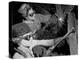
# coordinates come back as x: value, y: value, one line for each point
x: 61, y: 19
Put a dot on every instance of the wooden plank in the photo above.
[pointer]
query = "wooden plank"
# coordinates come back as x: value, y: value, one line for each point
x: 73, y: 43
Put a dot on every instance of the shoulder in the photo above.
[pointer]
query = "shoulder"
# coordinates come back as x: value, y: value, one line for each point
x: 21, y: 28
x: 43, y: 18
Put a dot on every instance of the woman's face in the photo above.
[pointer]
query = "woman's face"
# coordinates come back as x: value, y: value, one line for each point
x: 31, y: 14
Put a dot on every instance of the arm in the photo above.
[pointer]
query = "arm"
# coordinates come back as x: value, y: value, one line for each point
x: 58, y: 40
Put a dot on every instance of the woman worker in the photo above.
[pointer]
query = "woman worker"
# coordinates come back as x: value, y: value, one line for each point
x: 31, y: 24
